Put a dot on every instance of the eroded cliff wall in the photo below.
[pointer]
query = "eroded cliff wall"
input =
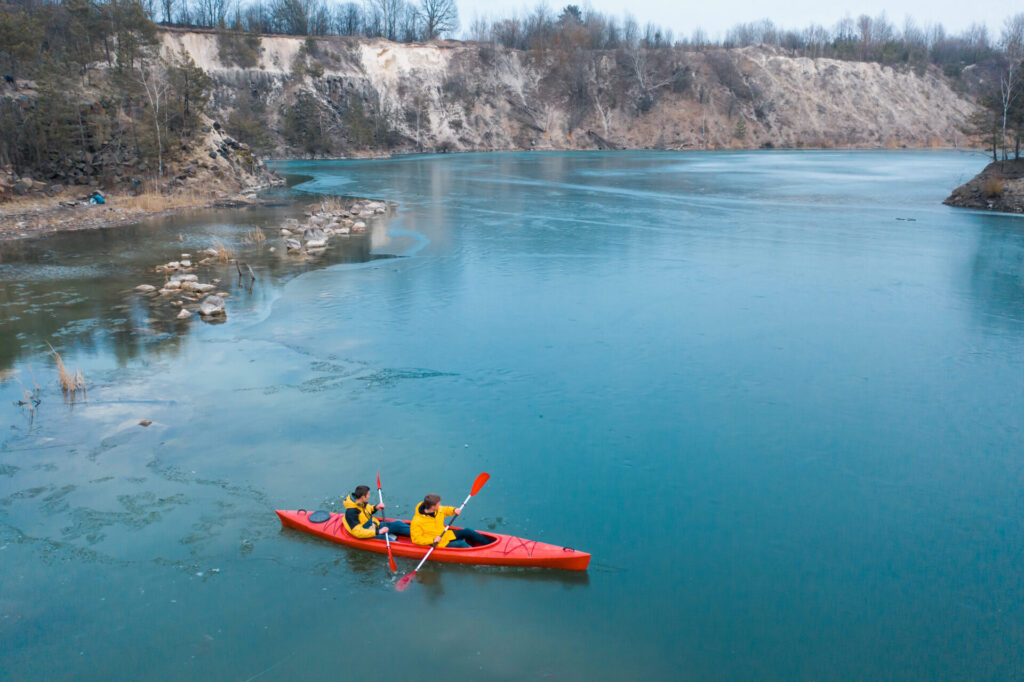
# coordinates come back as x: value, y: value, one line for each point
x: 362, y: 96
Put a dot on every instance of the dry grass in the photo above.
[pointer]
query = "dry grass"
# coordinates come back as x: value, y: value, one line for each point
x: 332, y: 204
x: 153, y: 201
x: 70, y: 383
x: 224, y: 254
x: 993, y: 186
x: 256, y: 236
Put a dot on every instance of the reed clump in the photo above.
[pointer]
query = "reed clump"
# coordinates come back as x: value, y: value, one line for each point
x: 72, y: 383
x: 224, y: 254
x: 256, y: 236
x: 332, y: 204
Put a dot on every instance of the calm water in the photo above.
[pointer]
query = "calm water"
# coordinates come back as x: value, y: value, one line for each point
x: 777, y: 395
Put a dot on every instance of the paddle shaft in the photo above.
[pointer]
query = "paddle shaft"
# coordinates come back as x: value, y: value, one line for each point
x: 434, y: 546
x: 383, y: 519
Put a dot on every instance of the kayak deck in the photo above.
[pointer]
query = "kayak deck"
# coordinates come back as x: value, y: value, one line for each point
x: 505, y: 550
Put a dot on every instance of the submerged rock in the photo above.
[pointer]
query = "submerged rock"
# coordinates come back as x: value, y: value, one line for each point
x: 146, y: 288
x: 212, y: 306
x: 292, y: 244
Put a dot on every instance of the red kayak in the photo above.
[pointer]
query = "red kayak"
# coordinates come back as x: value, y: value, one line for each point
x: 506, y: 550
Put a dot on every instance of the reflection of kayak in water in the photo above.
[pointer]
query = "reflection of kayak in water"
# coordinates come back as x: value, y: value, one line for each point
x: 505, y: 550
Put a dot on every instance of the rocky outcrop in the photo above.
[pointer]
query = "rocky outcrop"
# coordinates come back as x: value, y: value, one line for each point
x: 1000, y: 187
x: 373, y: 96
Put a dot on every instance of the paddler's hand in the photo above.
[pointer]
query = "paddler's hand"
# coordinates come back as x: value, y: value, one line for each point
x: 437, y: 540
x: 457, y: 512
x: 378, y: 507
x: 383, y: 530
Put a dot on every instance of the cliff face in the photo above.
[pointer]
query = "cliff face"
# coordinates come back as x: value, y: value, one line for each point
x: 360, y: 96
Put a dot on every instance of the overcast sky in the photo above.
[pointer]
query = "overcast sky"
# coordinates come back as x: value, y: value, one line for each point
x: 715, y: 17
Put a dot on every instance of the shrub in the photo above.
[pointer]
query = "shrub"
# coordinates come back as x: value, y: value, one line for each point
x: 993, y: 186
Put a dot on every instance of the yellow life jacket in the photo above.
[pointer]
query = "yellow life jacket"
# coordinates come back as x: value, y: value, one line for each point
x: 425, y: 527
x: 359, y: 521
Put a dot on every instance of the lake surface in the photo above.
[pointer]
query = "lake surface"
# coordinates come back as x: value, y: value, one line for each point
x: 779, y: 397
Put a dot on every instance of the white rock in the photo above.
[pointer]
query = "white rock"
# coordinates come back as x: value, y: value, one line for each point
x: 173, y: 284
x: 145, y: 287
x: 292, y: 244
x: 271, y: 249
x: 184, y: 278
x: 211, y: 306
x: 173, y: 265
x: 285, y: 232
x: 316, y: 244
x: 344, y: 230
x: 197, y: 287
x: 186, y: 263
x: 184, y: 314
x: 359, y: 226
x: 211, y: 252
x: 186, y: 256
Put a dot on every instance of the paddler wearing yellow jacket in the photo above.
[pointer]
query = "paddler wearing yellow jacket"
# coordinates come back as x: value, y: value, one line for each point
x: 428, y: 525
x: 360, y: 522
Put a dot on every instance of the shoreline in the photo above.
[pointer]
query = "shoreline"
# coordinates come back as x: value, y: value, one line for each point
x: 384, y: 156
x: 39, y: 216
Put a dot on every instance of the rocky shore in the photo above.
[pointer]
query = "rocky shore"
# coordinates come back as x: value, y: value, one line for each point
x: 218, y: 170
x: 1000, y: 187
x: 177, y: 288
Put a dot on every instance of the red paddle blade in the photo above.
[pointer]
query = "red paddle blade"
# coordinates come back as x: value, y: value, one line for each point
x: 479, y: 482
x: 405, y: 581
x: 392, y: 564
x: 378, y: 479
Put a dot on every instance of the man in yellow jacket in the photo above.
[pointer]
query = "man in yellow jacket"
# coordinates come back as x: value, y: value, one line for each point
x: 428, y: 526
x: 360, y: 522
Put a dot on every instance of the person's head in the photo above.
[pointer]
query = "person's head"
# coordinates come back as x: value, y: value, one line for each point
x: 430, y: 503
x: 361, y: 494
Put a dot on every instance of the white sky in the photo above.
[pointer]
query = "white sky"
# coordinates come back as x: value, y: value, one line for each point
x: 717, y: 16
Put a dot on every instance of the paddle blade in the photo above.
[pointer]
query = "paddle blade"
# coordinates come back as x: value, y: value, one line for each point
x: 405, y: 581
x: 392, y: 564
x: 378, y: 479
x: 479, y: 483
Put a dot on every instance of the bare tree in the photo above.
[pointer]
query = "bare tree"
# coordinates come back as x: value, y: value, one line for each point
x: 153, y: 79
x: 1013, y: 43
x: 388, y: 12
x: 439, y: 16
x: 168, y: 10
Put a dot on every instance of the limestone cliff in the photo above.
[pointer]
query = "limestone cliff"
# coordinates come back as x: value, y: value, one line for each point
x: 366, y: 96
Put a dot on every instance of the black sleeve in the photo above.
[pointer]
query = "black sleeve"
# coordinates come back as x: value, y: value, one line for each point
x: 352, y: 517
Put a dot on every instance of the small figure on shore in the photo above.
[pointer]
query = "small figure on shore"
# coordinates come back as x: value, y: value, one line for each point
x: 359, y: 519
x: 428, y: 526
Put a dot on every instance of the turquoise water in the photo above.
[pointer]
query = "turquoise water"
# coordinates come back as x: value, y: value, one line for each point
x: 778, y: 396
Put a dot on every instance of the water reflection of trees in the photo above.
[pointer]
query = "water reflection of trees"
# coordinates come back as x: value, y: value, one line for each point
x: 77, y: 289
x: 997, y: 272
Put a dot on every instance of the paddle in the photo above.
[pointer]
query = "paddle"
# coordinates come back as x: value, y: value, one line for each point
x: 391, y: 560
x: 407, y: 578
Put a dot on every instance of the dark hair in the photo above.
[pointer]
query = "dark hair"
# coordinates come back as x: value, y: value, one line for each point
x: 360, y: 491
x: 431, y: 500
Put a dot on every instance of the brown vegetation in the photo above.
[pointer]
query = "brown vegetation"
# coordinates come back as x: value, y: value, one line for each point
x: 70, y: 383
